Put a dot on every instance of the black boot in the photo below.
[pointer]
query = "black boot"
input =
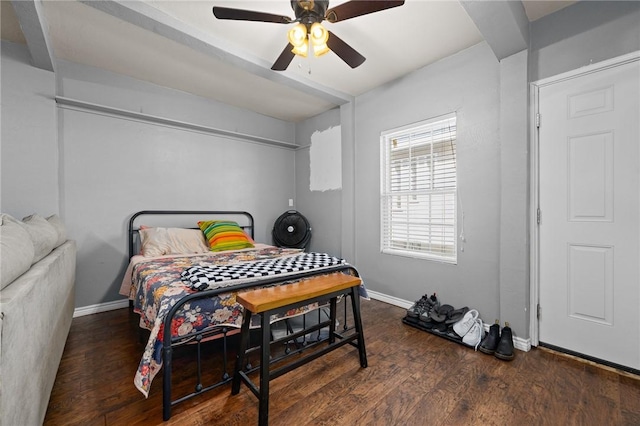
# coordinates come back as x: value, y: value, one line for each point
x: 491, y: 340
x: 504, y: 350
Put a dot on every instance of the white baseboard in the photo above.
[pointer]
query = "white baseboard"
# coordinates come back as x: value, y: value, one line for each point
x: 522, y: 344
x: 100, y: 307
x: 390, y: 299
x: 518, y: 342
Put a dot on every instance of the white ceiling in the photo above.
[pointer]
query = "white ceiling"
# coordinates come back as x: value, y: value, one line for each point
x: 180, y: 44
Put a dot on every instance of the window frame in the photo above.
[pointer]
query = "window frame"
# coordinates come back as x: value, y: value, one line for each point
x: 386, y: 220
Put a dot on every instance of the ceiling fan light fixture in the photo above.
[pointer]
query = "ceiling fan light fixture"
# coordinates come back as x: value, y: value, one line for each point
x: 298, y: 38
x: 309, y: 14
x: 301, y: 50
x: 298, y: 35
x: 319, y: 36
x: 321, y: 50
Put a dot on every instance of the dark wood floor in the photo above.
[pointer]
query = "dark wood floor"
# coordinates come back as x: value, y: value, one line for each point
x: 413, y: 378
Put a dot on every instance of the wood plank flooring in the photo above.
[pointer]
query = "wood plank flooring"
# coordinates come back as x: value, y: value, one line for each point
x: 413, y: 378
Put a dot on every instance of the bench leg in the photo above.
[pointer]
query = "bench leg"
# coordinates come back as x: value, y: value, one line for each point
x: 265, y: 351
x: 244, y: 343
x: 355, y: 305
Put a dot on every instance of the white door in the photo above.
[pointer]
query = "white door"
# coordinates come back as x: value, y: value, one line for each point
x: 589, y: 231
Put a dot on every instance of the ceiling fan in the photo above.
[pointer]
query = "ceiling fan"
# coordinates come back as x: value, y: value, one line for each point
x: 309, y: 30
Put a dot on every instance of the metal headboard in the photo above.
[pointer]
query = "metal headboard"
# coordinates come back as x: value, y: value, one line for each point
x: 134, y: 231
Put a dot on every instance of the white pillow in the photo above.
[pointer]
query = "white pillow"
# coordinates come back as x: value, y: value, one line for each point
x: 162, y: 241
x: 43, y: 235
x: 16, y: 250
x: 61, y: 230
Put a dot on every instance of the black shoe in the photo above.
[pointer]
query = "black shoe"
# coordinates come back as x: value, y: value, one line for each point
x: 425, y: 304
x: 504, y: 351
x: 491, y: 340
x: 439, y: 313
x: 414, y: 311
x: 425, y: 315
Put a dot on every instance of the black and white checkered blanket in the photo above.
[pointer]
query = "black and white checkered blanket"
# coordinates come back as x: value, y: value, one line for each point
x: 215, y: 276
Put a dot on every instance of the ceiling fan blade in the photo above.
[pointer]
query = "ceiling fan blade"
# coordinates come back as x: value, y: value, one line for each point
x: 344, y: 51
x: 354, y: 8
x: 284, y: 59
x: 249, y: 15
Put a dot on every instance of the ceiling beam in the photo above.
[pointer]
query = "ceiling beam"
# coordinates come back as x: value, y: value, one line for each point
x: 35, y: 30
x: 503, y: 24
x: 145, y: 16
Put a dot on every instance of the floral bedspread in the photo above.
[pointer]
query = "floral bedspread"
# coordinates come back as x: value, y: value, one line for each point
x: 156, y: 287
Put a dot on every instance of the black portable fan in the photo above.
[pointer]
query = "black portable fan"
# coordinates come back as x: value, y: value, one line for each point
x: 292, y: 230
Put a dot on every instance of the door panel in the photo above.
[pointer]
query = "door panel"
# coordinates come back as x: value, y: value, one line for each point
x: 589, y: 234
x: 590, y: 283
x: 590, y: 177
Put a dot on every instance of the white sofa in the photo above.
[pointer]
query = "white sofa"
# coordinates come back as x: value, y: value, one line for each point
x: 37, y: 299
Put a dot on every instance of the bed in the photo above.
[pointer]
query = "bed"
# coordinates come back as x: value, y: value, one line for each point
x: 185, y: 293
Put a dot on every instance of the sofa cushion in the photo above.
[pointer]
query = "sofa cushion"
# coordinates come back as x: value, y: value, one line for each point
x: 16, y: 250
x: 43, y: 235
x: 61, y: 230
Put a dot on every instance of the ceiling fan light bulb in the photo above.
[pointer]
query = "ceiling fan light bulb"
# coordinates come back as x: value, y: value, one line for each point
x: 301, y: 50
x: 298, y: 35
x: 318, y: 34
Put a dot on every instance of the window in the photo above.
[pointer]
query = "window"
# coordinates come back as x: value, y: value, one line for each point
x: 419, y: 190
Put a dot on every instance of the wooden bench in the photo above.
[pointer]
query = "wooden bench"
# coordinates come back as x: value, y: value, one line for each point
x: 271, y: 300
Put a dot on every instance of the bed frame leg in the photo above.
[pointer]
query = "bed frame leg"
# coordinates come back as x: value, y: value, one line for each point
x: 225, y: 374
x: 345, y: 316
x: 332, y: 317
x: 199, y: 362
x: 166, y: 383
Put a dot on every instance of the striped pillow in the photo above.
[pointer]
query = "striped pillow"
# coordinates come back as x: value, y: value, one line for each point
x: 224, y: 235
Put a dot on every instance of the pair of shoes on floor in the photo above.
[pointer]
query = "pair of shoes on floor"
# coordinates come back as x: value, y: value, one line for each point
x: 425, y: 316
x: 425, y: 304
x: 442, y: 317
x: 499, y: 344
x: 470, y: 328
x: 447, y: 314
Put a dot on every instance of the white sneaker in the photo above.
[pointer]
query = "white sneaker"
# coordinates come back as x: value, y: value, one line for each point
x: 475, y: 335
x: 463, y: 326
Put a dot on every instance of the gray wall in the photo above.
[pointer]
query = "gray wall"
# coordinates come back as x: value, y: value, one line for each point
x: 114, y: 166
x: 492, y: 101
x: 29, y: 151
x: 321, y: 208
x: 467, y: 83
x: 584, y: 33
x: 95, y: 169
x: 514, y: 195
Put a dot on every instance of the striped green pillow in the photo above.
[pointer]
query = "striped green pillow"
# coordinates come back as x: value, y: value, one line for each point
x: 224, y: 235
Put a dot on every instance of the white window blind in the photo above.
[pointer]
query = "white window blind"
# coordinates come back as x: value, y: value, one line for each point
x: 419, y: 191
